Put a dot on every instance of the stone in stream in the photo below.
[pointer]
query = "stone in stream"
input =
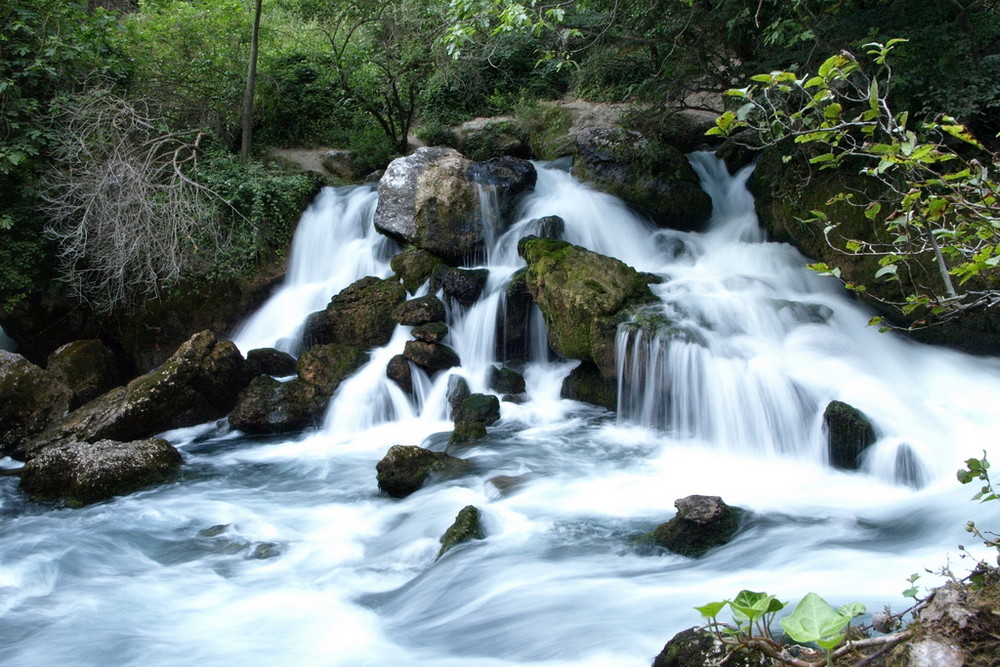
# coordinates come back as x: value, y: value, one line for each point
x: 467, y: 527
x: 362, y: 314
x: 849, y: 432
x: 406, y: 468
x: 269, y: 361
x: 463, y: 285
x: 398, y: 370
x: 421, y: 310
x: 702, y: 522
x: 432, y: 356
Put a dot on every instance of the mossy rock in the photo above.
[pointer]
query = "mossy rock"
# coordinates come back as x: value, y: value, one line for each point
x: 701, y: 523
x: 406, y: 468
x: 362, y: 314
x: 326, y: 366
x: 432, y: 356
x: 415, y: 266
x: 467, y: 527
x: 31, y: 399
x: 87, y: 367
x: 467, y: 432
x: 268, y: 406
x: 586, y: 383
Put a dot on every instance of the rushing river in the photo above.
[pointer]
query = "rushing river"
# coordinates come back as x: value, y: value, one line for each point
x: 282, y: 551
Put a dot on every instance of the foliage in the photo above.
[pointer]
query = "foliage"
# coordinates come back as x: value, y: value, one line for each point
x: 546, y: 126
x: 978, y: 470
x: 813, y: 620
x: 938, y: 193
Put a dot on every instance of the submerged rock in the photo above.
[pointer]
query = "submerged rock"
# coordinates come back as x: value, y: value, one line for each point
x: 200, y: 382
x: 82, y: 473
x: 584, y: 296
x: 406, y: 468
x: 30, y: 399
x: 87, y: 367
x: 458, y: 391
x: 849, y: 433
x: 702, y: 522
x: 467, y: 527
x: 507, y: 380
x: 512, y: 320
x: 362, y: 314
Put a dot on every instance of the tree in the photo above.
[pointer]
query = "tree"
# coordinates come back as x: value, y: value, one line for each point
x: 247, y: 115
x: 936, y: 210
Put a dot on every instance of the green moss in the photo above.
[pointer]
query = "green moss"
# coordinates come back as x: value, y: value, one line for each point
x: 467, y: 527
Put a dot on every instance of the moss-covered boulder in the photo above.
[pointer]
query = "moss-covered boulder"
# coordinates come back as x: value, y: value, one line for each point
x: 432, y: 332
x: 269, y: 406
x: 701, y: 523
x: 421, y: 311
x: 586, y: 383
x: 406, y: 468
x: 82, y: 473
x: 88, y: 367
x: 31, y: 398
x: 326, y: 366
x: 468, y: 526
x: 432, y: 356
x: 507, y: 380
x: 653, y: 177
x: 481, y: 408
x: 199, y: 382
x: 414, y: 267
x: 362, y: 314
x: 467, y: 432
x: 848, y: 433
x: 584, y: 296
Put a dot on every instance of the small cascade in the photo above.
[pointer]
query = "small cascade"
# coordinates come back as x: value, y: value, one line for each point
x: 6, y: 342
x: 335, y: 244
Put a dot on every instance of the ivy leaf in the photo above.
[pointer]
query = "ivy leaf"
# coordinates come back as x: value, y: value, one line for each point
x: 815, y: 620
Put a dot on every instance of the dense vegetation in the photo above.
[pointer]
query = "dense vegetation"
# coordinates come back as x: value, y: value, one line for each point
x: 363, y: 74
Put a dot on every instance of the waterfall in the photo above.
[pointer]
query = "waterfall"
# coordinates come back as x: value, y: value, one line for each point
x: 6, y: 342
x: 281, y: 550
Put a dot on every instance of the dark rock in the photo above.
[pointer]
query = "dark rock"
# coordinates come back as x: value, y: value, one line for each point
x: 702, y: 522
x: 326, y: 366
x: 421, y: 311
x: 82, y: 473
x: 507, y: 381
x: 467, y: 527
x: 739, y: 150
x: 655, y: 178
x: 584, y: 296
x: 362, y: 314
x: 548, y: 227
x: 507, y: 176
x: 398, y: 370
x: 458, y: 391
x: 87, y: 367
x: 428, y: 200
x: 513, y: 320
x: 434, y: 356
x: 848, y: 434
x: 432, y: 332
x: 265, y: 550
x: 463, y: 285
x: 414, y: 267
x: 268, y: 406
x: 586, y: 383
x: 30, y: 399
x: 481, y: 408
x: 466, y: 432
x: 200, y: 382
x: 269, y: 361
x: 696, y: 647
x: 406, y: 468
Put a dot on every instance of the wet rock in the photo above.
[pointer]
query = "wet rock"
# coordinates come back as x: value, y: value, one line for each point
x: 458, y: 391
x: 480, y: 408
x: 548, y: 227
x: 584, y: 296
x: 270, y: 361
x: 512, y: 320
x: 406, y: 468
x: 432, y: 332
x: 463, y: 285
x: 696, y: 647
x: 268, y: 406
x: 414, y: 267
x: 467, y: 432
x: 362, y: 314
x: 398, y: 370
x: 586, y: 383
x: 87, y: 367
x: 507, y: 381
x: 30, y: 399
x: 653, y: 177
x: 421, y: 311
x: 200, y: 382
x: 82, y: 473
x: 507, y: 177
x: 467, y: 527
x: 433, y: 356
x: 326, y: 366
x: 849, y: 433
x: 702, y: 522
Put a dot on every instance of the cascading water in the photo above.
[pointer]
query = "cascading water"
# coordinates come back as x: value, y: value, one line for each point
x: 6, y: 342
x: 276, y: 551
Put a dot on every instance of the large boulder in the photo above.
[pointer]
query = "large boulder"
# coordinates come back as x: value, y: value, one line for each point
x: 430, y: 199
x: 701, y: 522
x: 87, y: 367
x: 512, y: 327
x: 653, y: 177
x: 406, y: 468
x: 362, y: 314
x: 269, y: 406
x: 848, y: 432
x: 200, y: 382
x: 326, y: 366
x: 30, y: 399
x: 82, y: 472
x: 584, y: 296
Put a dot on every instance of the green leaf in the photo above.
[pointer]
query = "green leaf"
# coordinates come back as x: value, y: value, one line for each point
x: 754, y: 605
x: 815, y: 620
x: 712, y: 609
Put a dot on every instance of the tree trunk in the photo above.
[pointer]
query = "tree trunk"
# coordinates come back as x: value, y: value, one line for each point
x: 247, y: 115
